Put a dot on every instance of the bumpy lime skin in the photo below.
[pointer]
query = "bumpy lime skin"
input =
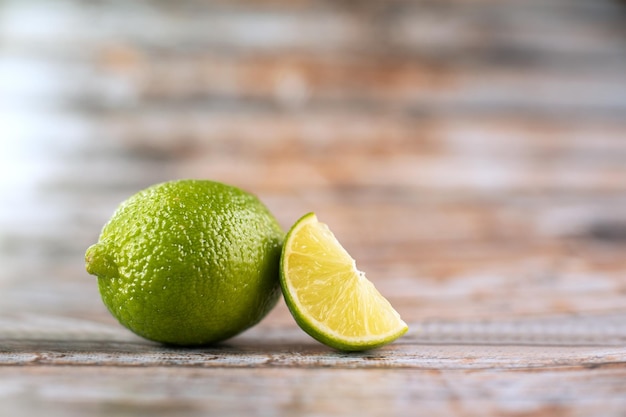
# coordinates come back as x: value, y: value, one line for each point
x: 189, y: 262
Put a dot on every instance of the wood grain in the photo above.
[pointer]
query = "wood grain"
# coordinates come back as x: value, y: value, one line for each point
x: 308, y: 392
x: 471, y: 156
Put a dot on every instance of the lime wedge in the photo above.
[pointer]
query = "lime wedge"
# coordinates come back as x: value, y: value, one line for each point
x: 328, y: 296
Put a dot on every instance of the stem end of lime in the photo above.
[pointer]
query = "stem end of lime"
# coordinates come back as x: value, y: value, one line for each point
x: 99, y: 263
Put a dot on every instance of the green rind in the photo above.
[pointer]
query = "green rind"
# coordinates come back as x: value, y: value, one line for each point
x: 206, y: 311
x: 310, y: 327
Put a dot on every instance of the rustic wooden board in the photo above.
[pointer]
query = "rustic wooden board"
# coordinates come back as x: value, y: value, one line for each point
x: 471, y: 155
x: 261, y: 353
x: 281, y: 391
x: 444, y: 369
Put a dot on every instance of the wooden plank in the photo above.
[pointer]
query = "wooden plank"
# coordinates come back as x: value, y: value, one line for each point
x: 424, y: 25
x: 400, y: 356
x: 567, y: 342
x: 80, y: 391
x: 125, y: 77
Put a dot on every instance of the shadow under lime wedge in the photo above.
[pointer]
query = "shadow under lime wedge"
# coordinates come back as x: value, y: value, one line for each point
x: 328, y: 296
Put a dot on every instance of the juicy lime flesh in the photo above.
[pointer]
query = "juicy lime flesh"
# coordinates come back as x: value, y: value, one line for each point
x: 328, y: 296
x: 188, y: 262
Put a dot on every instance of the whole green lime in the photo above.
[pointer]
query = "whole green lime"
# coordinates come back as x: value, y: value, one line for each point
x: 188, y: 262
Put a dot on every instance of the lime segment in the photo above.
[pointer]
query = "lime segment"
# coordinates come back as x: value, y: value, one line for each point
x: 328, y: 296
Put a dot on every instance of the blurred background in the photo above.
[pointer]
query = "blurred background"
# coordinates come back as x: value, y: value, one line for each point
x: 471, y: 155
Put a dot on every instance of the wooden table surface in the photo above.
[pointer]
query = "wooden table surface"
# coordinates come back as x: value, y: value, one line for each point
x: 471, y: 156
